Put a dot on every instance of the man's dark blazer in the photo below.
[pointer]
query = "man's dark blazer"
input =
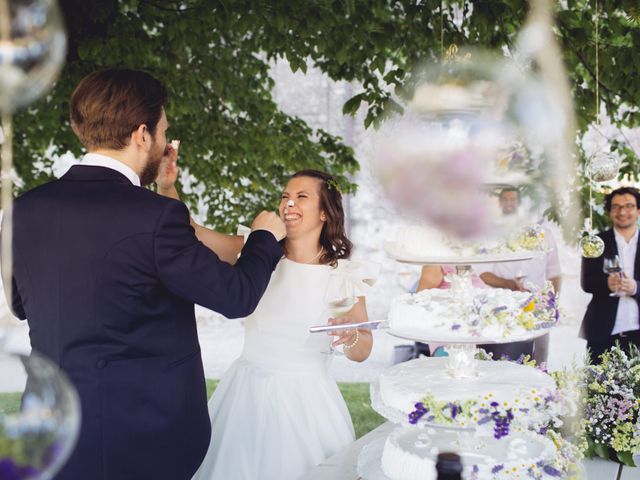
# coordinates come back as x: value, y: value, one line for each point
x: 107, y: 274
x: 600, y: 317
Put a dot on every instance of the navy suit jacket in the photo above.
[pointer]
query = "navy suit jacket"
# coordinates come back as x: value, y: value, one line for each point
x: 107, y: 274
x: 600, y: 317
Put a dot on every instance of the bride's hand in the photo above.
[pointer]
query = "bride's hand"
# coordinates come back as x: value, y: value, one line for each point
x: 345, y: 337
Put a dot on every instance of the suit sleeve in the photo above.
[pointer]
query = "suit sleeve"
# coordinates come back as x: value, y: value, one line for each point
x: 15, y: 302
x: 192, y: 271
x: 592, y: 278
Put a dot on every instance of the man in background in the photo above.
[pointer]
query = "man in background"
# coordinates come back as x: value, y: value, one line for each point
x: 612, y: 314
x: 523, y: 275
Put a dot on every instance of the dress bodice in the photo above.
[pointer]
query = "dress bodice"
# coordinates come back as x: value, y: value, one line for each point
x: 277, y: 332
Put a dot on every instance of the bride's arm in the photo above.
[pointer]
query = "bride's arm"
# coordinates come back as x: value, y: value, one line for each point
x: 227, y: 247
x: 362, y: 341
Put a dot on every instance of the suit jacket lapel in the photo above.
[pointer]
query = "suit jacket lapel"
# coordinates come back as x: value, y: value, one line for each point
x: 610, y: 244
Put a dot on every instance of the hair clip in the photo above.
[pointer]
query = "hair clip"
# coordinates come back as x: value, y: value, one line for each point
x: 331, y: 184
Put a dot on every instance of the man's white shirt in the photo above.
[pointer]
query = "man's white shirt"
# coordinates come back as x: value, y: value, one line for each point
x: 536, y: 271
x: 97, y: 160
x: 627, y: 316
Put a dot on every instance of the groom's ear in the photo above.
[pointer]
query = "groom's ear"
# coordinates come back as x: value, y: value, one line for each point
x: 141, y: 137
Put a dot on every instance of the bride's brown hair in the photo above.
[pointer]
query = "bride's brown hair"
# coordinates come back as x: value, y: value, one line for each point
x: 333, y: 238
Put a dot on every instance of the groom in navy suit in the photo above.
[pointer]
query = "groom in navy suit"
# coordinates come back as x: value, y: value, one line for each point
x: 107, y: 274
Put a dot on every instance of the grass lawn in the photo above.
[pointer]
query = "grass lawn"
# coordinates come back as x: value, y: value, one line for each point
x: 356, y: 395
x: 10, y: 402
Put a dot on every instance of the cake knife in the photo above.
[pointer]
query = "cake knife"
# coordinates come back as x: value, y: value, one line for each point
x: 371, y: 325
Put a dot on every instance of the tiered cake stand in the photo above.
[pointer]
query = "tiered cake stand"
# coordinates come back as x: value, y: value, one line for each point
x: 459, y: 376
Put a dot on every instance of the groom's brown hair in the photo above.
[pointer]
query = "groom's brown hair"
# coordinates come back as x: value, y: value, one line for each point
x: 108, y: 105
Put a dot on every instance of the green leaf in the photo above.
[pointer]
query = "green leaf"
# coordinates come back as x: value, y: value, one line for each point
x: 351, y: 106
x: 601, y: 450
x: 626, y: 458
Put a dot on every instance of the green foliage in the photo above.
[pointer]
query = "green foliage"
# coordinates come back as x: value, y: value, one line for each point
x: 213, y: 56
x: 10, y: 403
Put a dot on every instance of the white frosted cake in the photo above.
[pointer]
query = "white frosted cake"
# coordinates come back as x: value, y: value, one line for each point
x: 411, y: 454
x: 499, y: 387
x: 485, y: 313
x: 418, y: 242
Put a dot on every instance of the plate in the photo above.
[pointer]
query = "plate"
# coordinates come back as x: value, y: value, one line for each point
x: 453, y: 338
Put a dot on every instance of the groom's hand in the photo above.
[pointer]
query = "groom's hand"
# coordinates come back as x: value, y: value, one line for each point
x: 168, y: 172
x: 270, y: 222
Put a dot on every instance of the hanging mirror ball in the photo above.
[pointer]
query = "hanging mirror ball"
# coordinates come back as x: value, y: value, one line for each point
x: 39, y: 417
x: 32, y: 50
x: 591, y: 246
x: 603, y: 166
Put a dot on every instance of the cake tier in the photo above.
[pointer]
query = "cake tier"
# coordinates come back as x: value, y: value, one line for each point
x: 483, y: 314
x: 419, y: 244
x: 411, y: 453
x: 500, y: 389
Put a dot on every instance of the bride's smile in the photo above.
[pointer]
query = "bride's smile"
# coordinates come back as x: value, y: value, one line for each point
x: 300, y: 207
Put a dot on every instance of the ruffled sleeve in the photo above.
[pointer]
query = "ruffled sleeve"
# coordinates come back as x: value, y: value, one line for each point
x: 361, y: 274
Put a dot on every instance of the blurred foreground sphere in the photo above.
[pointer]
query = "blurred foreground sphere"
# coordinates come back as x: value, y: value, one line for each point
x: 39, y: 417
x: 476, y: 125
x: 32, y: 50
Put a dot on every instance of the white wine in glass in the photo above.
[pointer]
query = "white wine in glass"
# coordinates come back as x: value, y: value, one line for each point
x: 339, y: 297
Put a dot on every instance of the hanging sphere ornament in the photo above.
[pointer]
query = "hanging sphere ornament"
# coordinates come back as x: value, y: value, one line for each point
x: 39, y: 417
x: 32, y: 50
x: 603, y: 166
x: 591, y: 246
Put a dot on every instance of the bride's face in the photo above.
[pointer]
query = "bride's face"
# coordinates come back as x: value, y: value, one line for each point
x: 300, y: 207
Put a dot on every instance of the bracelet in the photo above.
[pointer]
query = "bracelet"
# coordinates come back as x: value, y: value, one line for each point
x: 347, y: 347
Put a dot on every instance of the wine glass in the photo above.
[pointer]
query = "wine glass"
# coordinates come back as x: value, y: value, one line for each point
x: 339, y: 297
x: 612, y: 265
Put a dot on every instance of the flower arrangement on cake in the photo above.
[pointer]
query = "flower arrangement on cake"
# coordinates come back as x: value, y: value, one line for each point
x: 478, y: 312
x: 539, y: 310
x: 413, y: 241
x: 528, y: 238
x: 560, y: 425
x: 497, y: 418
x: 612, y: 406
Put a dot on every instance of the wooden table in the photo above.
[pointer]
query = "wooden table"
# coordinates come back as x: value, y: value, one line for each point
x: 343, y: 465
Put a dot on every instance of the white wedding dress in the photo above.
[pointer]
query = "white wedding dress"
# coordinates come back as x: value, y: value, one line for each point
x: 277, y: 411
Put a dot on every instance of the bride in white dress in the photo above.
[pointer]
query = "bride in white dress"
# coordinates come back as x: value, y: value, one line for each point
x: 277, y: 411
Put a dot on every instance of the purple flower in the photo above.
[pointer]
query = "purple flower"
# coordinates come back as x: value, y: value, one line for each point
x: 456, y: 326
x: 549, y: 470
x: 454, y: 410
x: 497, y: 468
x: 484, y: 420
x: 418, y: 413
